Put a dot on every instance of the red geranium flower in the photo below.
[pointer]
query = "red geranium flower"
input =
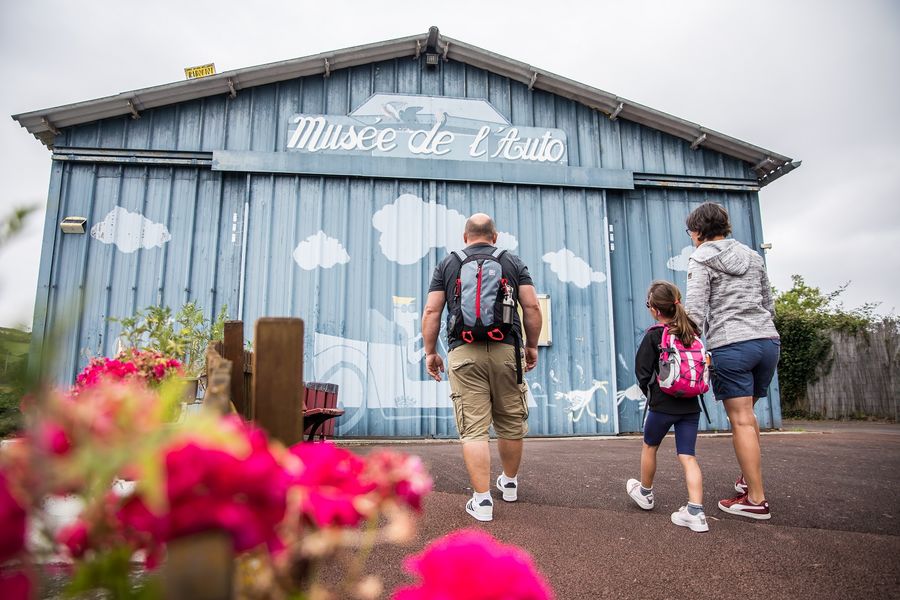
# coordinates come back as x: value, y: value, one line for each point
x: 333, y: 484
x: 400, y: 477
x: 12, y: 516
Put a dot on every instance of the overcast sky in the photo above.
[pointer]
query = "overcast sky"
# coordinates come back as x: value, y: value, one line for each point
x: 813, y: 80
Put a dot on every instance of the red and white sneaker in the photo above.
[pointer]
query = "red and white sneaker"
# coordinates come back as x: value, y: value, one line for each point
x: 742, y: 506
x: 740, y: 486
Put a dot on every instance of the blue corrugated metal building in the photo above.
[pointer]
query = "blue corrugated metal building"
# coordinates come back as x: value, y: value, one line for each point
x: 328, y: 187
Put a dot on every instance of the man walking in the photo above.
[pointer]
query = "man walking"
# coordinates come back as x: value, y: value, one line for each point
x: 484, y: 369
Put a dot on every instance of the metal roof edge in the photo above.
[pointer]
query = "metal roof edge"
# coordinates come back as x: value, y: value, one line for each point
x: 44, y: 123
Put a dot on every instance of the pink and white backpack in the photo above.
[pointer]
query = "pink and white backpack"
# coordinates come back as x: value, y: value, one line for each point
x: 683, y: 371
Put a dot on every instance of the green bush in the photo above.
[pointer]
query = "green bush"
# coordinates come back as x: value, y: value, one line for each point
x: 13, y: 377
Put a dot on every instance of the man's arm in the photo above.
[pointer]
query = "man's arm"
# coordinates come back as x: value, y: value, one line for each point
x: 531, y: 322
x: 431, y: 327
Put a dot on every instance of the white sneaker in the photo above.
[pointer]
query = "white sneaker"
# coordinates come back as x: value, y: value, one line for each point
x: 483, y: 511
x: 510, y: 490
x: 694, y: 522
x: 633, y: 487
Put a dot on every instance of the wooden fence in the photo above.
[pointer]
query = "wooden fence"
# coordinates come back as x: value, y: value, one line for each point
x: 863, y: 379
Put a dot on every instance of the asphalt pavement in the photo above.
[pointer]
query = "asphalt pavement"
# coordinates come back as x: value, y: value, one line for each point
x: 834, y: 492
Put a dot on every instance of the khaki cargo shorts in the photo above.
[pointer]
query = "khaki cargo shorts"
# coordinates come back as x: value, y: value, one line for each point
x: 483, y: 389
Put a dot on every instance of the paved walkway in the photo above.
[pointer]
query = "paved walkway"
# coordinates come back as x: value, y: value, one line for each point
x: 835, y: 531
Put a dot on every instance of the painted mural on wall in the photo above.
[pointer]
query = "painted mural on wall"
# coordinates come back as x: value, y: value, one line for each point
x: 130, y: 231
x: 320, y: 250
x: 679, y: 262
x: 578, y: 402
x: 573, y: 269
x: 405, y: 244
x: 384, y: 372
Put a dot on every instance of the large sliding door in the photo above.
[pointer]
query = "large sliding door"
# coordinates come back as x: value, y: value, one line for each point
x: 354, y: 257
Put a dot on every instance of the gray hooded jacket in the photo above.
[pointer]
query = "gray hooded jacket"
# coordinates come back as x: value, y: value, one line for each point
x: 728, y: 293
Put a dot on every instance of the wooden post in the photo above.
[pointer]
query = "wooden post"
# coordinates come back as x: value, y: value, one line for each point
x: 199, y: 567
x: 234, y: 351
x: 277, y: 403
x: 218, y: 374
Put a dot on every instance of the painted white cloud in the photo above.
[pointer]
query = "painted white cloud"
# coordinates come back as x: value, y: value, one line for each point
x: 411, y: 227
x: 130, y: 231
x: 680, y: 262
x: 319, y: 250
x: 572, y: 269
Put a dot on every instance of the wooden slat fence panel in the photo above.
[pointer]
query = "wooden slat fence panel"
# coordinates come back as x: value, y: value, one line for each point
x: 863, y: 379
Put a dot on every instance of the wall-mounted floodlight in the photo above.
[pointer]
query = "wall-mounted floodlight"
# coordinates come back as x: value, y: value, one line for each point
x: 766, y: 246
x: 72, y: 224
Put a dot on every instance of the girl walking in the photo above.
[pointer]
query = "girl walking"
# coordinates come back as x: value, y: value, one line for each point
x: 668, y: 411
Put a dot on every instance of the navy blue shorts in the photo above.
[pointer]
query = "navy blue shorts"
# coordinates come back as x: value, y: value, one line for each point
x: 658, y: 424
x: 744, y: 368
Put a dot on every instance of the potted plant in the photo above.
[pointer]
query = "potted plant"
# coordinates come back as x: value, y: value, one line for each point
x: 183, y: 336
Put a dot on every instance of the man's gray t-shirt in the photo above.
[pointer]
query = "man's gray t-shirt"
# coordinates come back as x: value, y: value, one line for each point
x: 444, y: 280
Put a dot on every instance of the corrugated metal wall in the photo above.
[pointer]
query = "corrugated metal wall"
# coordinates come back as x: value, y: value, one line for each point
x: 257, y: 119
x: 362, y: 311
x: 92, y: 281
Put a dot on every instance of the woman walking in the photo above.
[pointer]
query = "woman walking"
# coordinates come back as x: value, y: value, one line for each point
x: 728, y: 293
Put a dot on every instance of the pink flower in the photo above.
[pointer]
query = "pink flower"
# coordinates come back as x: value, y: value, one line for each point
x: 100, y: 369
x: 471, y: 565
x: 398, y: 477
x: 12, y: 516
x: 74, y: 537
x: 333, y: 484
x: 52, y: 438
x: 15, y: 585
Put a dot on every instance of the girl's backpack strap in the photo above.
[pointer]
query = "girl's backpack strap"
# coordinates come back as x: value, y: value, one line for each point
x: 705, y: 412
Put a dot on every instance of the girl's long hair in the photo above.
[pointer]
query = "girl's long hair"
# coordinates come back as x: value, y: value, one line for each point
x: 666, y: 298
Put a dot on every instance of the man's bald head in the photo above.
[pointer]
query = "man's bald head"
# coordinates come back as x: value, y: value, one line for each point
x: 480, y: 228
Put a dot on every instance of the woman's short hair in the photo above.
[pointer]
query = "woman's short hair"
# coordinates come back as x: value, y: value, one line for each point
x: 709, y: 220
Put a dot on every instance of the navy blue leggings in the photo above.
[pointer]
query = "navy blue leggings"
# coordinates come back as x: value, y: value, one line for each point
x: 658, y: 425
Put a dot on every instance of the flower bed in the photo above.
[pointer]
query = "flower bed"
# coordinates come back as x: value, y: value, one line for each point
x: 281, y: 512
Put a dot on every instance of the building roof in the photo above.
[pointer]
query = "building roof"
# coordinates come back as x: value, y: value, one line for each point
x: 44, y: 124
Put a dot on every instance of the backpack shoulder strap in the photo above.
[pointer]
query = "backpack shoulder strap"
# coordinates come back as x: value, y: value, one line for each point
x: 498, y: 252
x: 460, y: 255
x: 666, y: 339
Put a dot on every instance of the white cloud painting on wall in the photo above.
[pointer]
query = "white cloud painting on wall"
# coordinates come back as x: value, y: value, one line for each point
x: 573, y: 269
x: 680, y: 262
x: 411, y: 227
x: 130, y: 231
x: 320, y: 251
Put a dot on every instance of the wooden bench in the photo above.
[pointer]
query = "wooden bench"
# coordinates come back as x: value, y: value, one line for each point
x: 319, y: 410
x: 318, y: 401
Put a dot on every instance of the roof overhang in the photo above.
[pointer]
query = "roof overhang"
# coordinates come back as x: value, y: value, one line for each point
x: 45, y: 124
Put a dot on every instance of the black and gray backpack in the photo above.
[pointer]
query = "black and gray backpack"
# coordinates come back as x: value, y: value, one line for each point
x: 485, y: 300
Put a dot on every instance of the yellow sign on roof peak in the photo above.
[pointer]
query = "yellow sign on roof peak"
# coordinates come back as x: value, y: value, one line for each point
x: 200, y: 71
